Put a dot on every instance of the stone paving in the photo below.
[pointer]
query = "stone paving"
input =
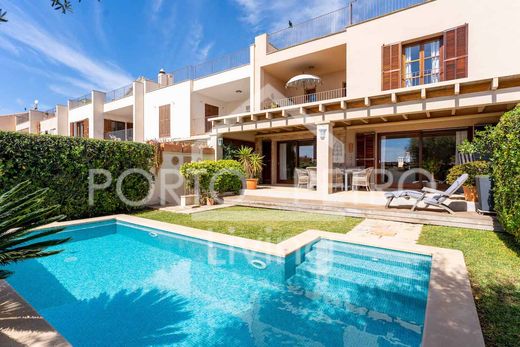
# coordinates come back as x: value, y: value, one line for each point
x: 387, y: 230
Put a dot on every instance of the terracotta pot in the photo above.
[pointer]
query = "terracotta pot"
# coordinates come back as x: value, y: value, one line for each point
x: 251, y: 183
x: 470, y: 193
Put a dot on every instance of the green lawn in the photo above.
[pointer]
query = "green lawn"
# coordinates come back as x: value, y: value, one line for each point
x: 493, y: 261
x: 256, y: 223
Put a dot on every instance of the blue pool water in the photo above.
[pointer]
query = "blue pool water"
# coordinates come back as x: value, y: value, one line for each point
x: 118, y: 284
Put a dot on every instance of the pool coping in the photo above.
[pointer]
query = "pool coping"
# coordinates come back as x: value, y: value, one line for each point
x: 451, y: 316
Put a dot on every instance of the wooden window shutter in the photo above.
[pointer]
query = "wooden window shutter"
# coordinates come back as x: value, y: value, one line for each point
x: 456, y: 53
x: 72, y: 129
x: 391, y: 66
x: 85, y: 128
x: 164, y: 121
x: 107, y: 126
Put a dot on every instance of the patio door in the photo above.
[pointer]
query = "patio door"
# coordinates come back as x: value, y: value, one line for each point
x: 294, y: 154
x: 434, y: 151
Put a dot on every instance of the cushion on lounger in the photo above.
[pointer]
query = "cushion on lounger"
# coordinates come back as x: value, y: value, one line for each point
x: 404, y: 194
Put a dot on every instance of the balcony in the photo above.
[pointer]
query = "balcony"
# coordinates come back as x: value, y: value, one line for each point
x: 119, y: 93
x: 334, y: 22
x: 81, y: 101
x: 223, y: 63
x: 305, y: 99
x: 120, y: 135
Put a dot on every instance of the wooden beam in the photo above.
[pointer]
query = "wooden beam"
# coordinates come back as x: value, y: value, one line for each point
x: 394, y: 98
x: 423, y: 93
x: 284, y: 113
x: 268, y: 115
x: 240, y: 119
x: 405, y: 117
x: 303, y: 111
x: 367, y: 101
x: 481, y: 109
x: 364, y: 121
x: 322, y: 108
x: 494, y: 83
x: 254, y: 117
x: 457, y: 88
x: 384, y: 119
x: 428, y: 114
x: 453, y: 112
x: 343, y: 105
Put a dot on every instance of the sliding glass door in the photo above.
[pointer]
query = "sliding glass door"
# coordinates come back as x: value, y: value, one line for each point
x: 294, y: 154
x: 433, y: 151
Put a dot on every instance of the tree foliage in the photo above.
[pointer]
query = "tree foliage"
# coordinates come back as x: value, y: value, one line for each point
x: 21, y: 211
x: 62, y: 6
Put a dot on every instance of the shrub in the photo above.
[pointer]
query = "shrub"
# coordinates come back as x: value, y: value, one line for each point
x: 62, y: 164
x: 473, y: 169
x: 228, y: 175
x: 504, y: 140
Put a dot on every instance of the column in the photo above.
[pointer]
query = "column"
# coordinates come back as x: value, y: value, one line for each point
x: 216, y: 142
x: 324, y: 146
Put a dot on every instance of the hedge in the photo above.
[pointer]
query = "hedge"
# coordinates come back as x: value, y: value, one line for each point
x: 504, y: 140
x: 227, y: 174
x: 62, y: 164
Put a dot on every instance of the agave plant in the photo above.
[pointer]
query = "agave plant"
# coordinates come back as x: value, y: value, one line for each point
x: 252, y: 162
x: 20, y: 213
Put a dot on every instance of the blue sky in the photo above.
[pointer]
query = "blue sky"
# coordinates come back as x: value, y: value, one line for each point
x: 104, y: 45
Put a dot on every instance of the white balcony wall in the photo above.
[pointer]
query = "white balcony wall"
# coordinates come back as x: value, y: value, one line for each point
x: 222, y: 78
x: 179, y: 97
x: 49, y: 126
x: 118, y: 104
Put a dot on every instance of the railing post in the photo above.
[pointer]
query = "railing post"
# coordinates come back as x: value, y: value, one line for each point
x: 350, y: 6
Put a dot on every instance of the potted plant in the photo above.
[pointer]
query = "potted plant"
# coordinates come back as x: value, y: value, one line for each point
x: 473, y: 169
x: 252, y: 164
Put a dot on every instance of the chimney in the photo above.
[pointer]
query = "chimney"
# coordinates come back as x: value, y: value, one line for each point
x: 162, y: 78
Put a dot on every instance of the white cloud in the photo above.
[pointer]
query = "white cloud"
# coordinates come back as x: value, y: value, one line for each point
x: 22, y: 29
x: 272, y: 15
x: 195, y: 42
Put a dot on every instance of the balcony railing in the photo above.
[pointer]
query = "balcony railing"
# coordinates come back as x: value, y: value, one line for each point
x: 304, y: 99
x: 358, y: 11
x: 321, y: 26
x: 22, y: 118
x: 120, y: 135
x: 223, y: 63
x: 119, y: 93
x: 81, y: 101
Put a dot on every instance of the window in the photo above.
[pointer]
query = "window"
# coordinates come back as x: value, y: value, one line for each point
x: 164, y: 121
x: 422, y: 63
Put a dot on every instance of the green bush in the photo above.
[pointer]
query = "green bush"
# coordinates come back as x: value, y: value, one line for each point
x: 473, y: 169
x: 227, y: 175
x: 62, y: 164
x: 504, y: 140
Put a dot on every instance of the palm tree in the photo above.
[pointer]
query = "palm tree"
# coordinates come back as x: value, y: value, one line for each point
x: 252, y: 163
x: 21, y: 212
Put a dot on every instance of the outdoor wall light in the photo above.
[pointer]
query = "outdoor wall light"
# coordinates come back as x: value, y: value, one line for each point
x: 238, y: 91
x: 323, y: 133
x: 220, y: 141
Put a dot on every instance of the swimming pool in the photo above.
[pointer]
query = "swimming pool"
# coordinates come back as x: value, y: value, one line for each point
x: 118, y: 283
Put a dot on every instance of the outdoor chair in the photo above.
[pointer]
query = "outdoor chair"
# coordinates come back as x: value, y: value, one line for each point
x: 338, y: 179
x: 362, y: 178
x: 313, y: 177
x: 302, y: 177
x: 428, y: 196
